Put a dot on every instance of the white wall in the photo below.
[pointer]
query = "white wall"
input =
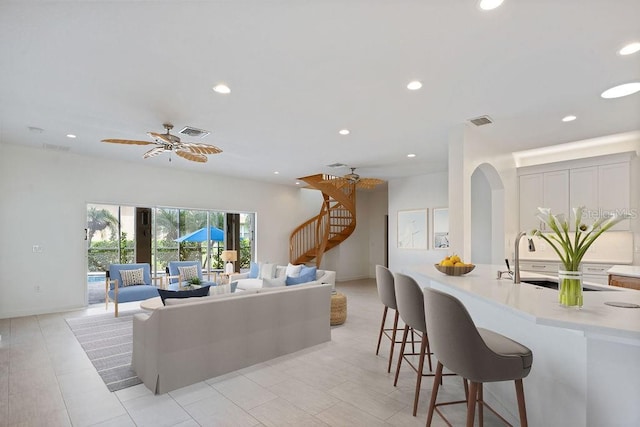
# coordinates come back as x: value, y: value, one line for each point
x: 419, y: 192
x: 356, y: 257
x: 43, y: 197
x: 481, y: 203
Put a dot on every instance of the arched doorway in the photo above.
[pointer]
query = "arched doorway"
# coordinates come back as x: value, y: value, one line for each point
x: 487, y: 216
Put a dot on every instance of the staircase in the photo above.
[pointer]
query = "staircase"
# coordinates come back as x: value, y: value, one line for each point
x: 335, y: 222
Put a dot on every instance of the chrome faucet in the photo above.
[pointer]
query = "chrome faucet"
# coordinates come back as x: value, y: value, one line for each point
x: 516, y: 261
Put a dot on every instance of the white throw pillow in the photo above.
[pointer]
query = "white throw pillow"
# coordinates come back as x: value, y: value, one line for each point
x: 293, y: 270
x: 267, y: 271
x: 189, y: 272
x: 274, y: 283
x: 132, y: 277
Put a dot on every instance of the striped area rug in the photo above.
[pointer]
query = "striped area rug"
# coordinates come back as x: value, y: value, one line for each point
x: 108, y: 341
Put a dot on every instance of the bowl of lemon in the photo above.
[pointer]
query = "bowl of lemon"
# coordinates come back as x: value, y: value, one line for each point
x: 454, y: 266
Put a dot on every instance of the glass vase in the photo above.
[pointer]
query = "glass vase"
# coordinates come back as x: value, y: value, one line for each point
x: 570, y: 288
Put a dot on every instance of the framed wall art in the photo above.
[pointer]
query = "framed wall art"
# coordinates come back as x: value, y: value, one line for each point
x: 440, y: 227
x: 412, y: 229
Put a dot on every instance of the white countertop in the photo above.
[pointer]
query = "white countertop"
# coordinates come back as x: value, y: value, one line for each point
x: 540, y: 305
x: 625, y: 270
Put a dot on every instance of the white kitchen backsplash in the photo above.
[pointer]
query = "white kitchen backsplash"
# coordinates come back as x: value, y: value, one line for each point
x: 613, y: 247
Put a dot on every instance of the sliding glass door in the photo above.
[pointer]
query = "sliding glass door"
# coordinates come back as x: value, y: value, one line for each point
x: 178, y: 234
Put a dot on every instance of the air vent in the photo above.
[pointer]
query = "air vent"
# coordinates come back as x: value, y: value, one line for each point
x: 481, y: 121
x: 194, y: 132
x: 337, y: 165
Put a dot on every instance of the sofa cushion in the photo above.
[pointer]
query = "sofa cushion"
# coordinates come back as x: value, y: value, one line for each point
x: 132, y: 277
x: 274, y: 283
x: 254, y: 270
x: 307, y: 274
x: 249, y: 283
x: 293, y: 270
x: 267, y: 271
x: 134, y: 293
x: 200, y: 292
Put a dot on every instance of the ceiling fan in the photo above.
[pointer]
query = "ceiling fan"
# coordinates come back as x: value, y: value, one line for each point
x: 167, y: 142
x: 353, y: 178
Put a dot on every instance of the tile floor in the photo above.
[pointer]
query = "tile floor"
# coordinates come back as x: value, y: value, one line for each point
x: 47, y: 380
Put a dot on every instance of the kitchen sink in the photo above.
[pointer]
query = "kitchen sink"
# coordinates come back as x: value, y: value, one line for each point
x: 551, y: 284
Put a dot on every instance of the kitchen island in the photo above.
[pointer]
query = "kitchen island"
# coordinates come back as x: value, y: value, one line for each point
x: 586, y: 363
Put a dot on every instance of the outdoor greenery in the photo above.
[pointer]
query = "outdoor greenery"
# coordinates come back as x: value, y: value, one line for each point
x: 169, y: 225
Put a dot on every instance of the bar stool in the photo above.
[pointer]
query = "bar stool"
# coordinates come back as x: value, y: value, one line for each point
x: 476, y: 354
x: 387, y: 295
x: 411, y: 307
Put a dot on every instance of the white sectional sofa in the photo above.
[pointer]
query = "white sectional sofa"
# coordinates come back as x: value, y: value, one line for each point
x: 194, y: 339
x: 277, y: 277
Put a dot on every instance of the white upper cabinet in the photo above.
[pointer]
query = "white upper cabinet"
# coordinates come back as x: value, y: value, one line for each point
x: 601, y: 184
x: 614, y: 190
x: 584, y: 190
x: 544, y: 190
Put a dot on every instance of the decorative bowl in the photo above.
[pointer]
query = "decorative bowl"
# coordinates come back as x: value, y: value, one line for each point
x: 455, y: 271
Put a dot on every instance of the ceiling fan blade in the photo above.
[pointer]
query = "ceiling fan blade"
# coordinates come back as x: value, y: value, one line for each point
x: 194, y: 157
x: 128, y: 141
x: 162, y: 138
x: 200, y: 148
x: 153, y: 152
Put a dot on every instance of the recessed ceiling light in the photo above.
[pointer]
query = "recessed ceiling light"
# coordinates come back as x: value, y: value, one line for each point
x: 569, y: 118
x: 276, y: 172
x: 414, y: 85
x: 297, y: 182
x: 490, y: 4
x: 411, y: 155
x: 621, y: 90
x: 221, y: 88
x: 630, y: 48
x: 70, y: 135
x: 344, y: 132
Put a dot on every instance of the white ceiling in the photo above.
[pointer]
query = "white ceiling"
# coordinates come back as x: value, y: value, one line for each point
x: 301, y: 70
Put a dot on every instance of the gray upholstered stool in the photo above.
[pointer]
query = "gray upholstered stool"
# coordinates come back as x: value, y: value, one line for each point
x: 476, y: 354
x: 411, y: 307
x: 387, y: 295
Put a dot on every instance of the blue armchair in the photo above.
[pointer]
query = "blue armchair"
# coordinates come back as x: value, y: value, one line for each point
x: 177, y: 280
x: 135, y: 284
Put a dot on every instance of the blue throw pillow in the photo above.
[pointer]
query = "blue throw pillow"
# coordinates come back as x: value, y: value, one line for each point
x: 200, y: 292
x: 254, y: 270
x: 307, y: 274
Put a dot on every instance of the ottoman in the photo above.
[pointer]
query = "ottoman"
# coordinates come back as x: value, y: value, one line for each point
x: 338, y: 308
